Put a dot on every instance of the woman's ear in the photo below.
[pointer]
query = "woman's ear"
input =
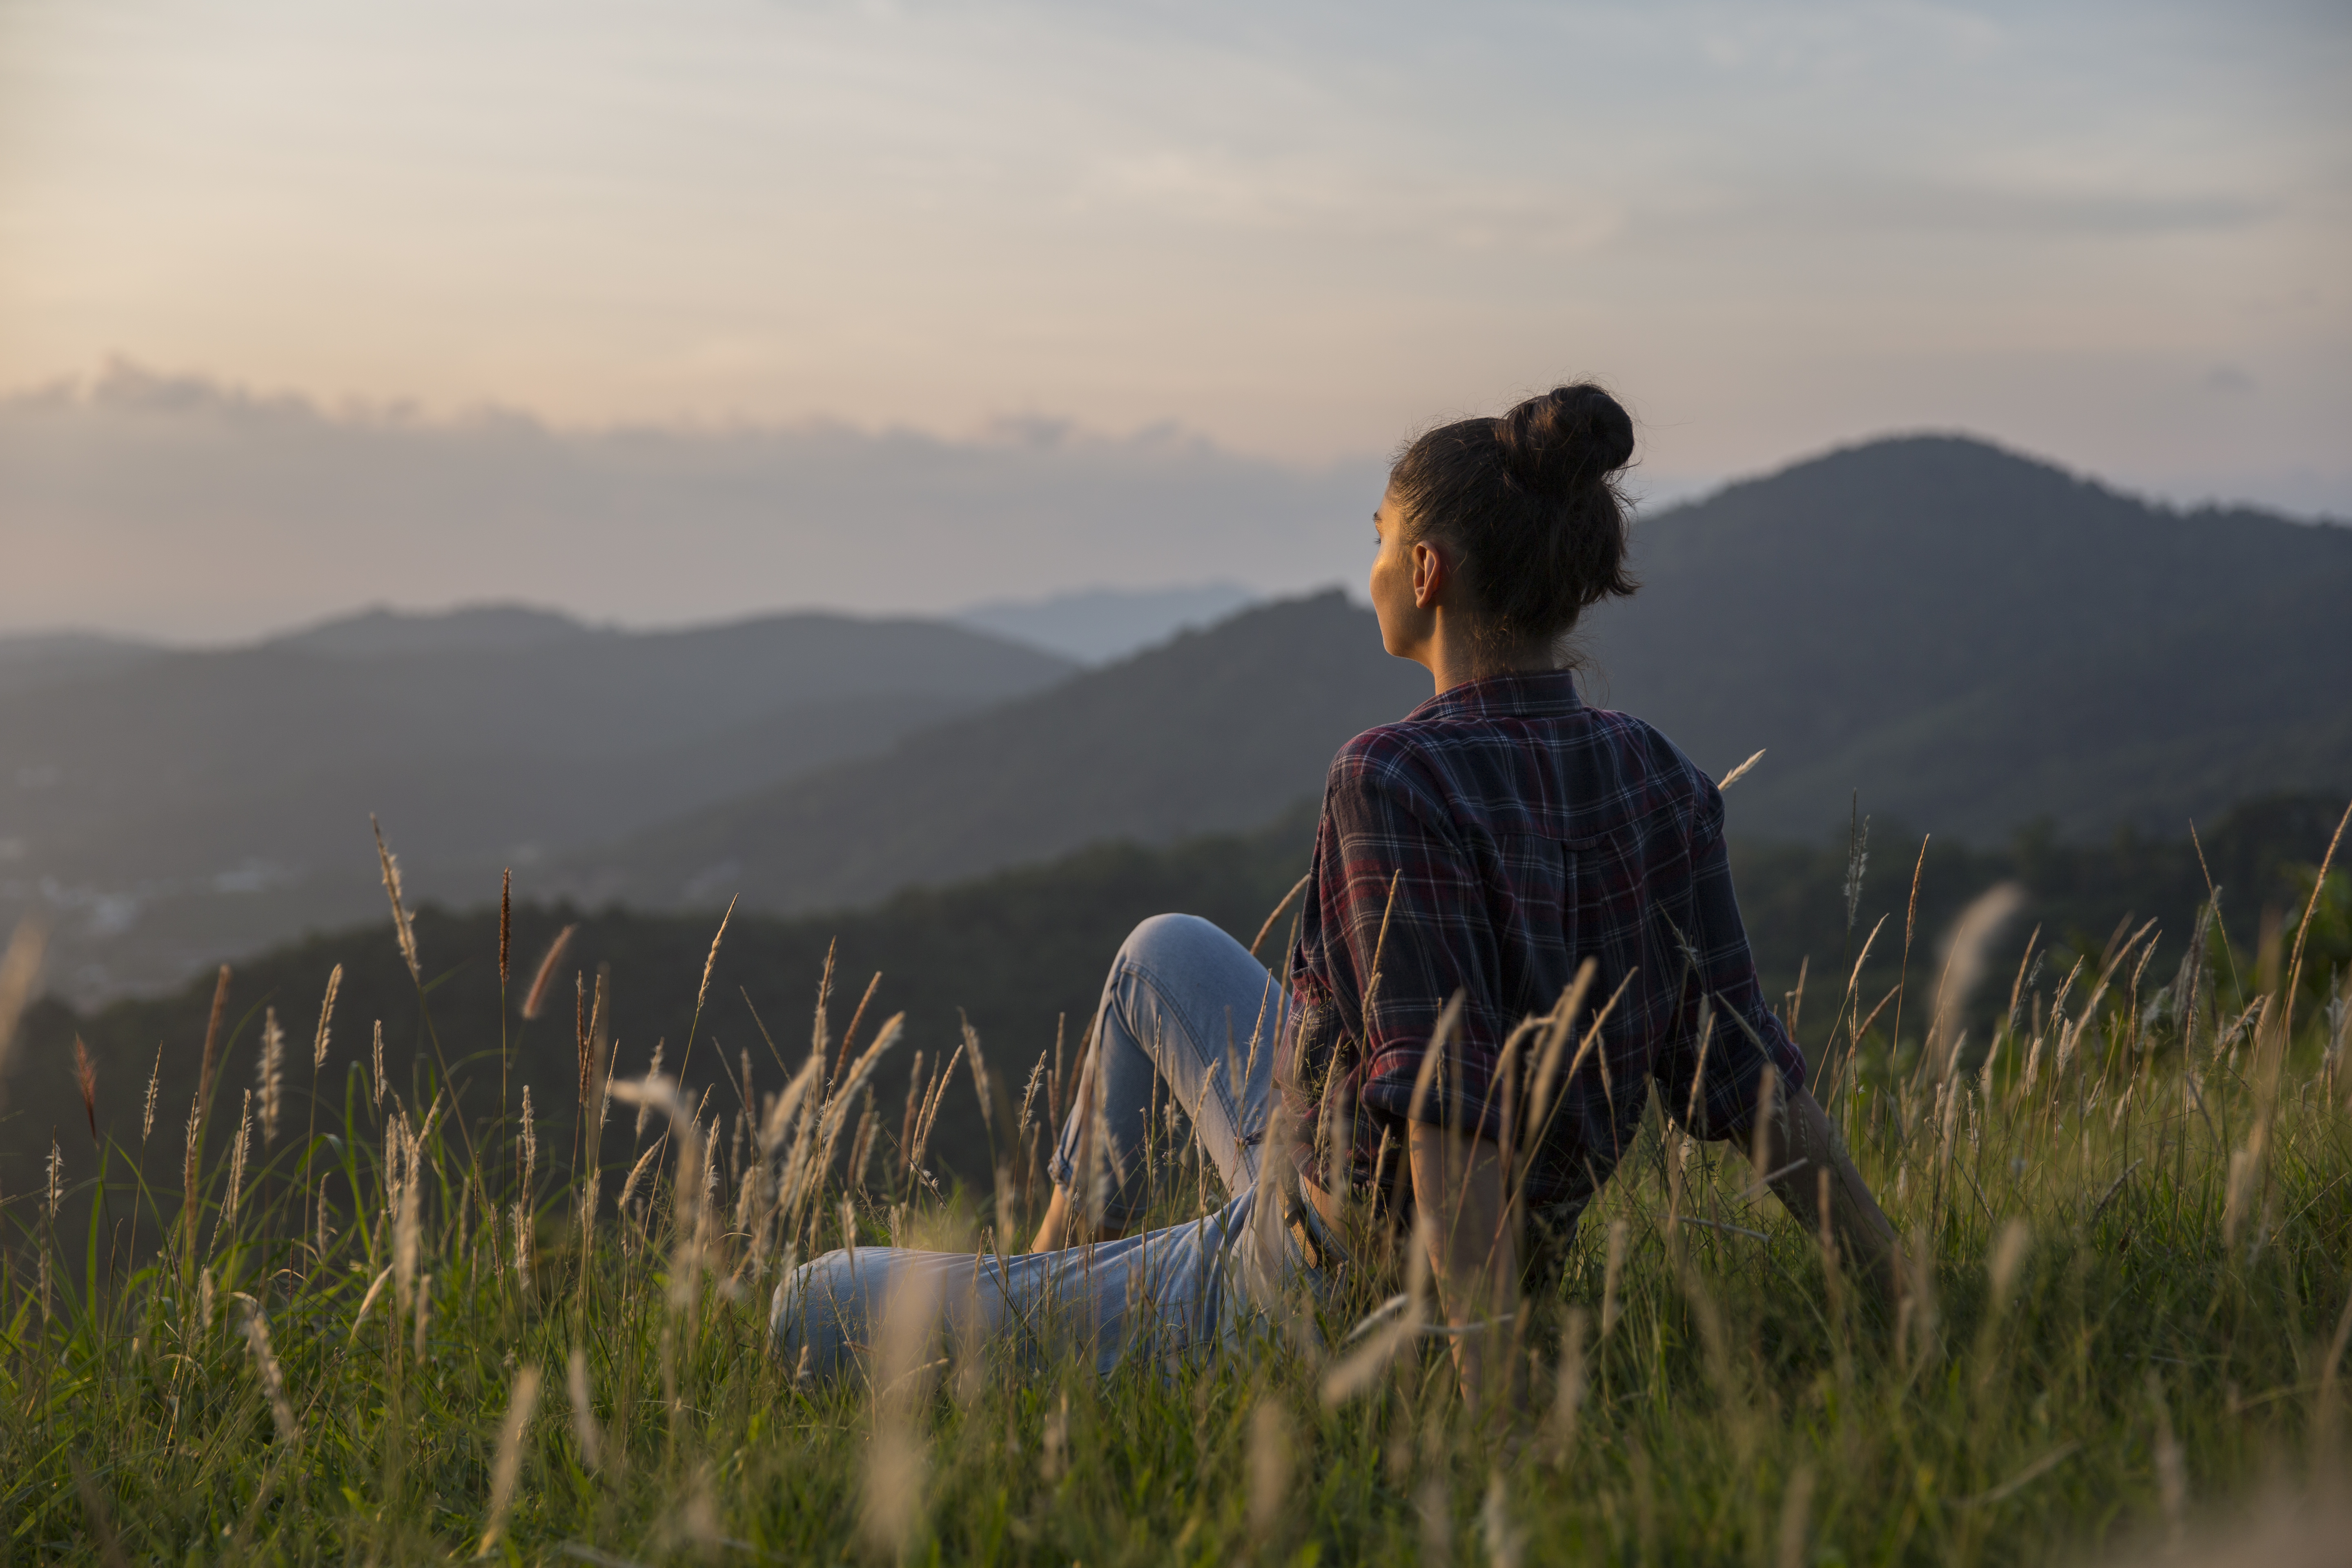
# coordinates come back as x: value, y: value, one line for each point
x: 1430, y: 572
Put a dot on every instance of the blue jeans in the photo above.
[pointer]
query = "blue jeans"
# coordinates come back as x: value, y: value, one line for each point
x: 1185, y: 1012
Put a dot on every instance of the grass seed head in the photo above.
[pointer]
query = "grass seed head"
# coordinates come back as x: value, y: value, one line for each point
x: 273, y: 1377
x: 86, y: 1081
x: 544, y: 980
x: 155, y: 1081
x: 400, y: 925
x: 702, y: 991
x: 326, y: 1020
x: 270, y: 1073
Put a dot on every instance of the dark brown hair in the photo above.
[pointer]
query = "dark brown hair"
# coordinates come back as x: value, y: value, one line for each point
x: 1530, y: 501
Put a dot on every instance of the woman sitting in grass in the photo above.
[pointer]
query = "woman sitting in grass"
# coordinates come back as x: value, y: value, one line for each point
x: 1519, y: 917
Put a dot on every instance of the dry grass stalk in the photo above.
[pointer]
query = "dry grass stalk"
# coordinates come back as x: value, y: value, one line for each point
x: 583, y: 1412
x: 1613, y: 1275
x: 1276, y: 913
x: 1796, y: 1518
x: 235, y: 1170
x: 1965, y: 952
x: 2171, y: 1465
x: 1270, y: 1463
x: 702, y: 991
x: 2009, y: 1252
x: 155, y: 1081
x: 55, y: 1178
x: 213, y: 1024
x: 403, y: 1196
x: 1435, y: 1509
x: 653, y: 1070
x: 384, y: 1277
x: 273, y: 1378
x: 400, y: 921
x: 1568, y: 1398
x: 1857, y: 861
x: 379, y: 1064
x: 896, y: 1465
x: 543, y: 980
x: 20, y: 971
x: 1505, y: 1542
x: 506, y: 1467
x: 506, y: 924
x: 270, y: 1074
x: 1736, y: 775
x: 326, y: 1020
x: 636, y: 1173
x: 2303, y: 929
x: 188, y: 1174
x: 86, y: 1081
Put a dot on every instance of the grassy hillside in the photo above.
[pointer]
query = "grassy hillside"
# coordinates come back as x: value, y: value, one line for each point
x: 1974, y: 640
x: 2121, y: 1328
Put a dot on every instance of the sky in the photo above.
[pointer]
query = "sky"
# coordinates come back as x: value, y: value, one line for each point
x: 1186, y: 273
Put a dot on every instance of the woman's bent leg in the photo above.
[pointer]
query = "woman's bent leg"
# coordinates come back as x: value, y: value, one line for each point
x: 1186, y: 1006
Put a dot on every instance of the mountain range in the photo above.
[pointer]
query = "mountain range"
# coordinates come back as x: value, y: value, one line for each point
x: 169, y: 808
x: 1969, y: 638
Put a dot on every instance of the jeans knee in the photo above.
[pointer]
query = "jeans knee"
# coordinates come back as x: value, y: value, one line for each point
x: 1162, y: 938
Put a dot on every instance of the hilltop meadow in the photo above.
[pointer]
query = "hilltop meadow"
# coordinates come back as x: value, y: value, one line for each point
x: 313, y: 1304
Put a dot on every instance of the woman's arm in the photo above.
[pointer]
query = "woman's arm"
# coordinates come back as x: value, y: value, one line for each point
x: 1799, y: 1148
x: 1458, y: 1185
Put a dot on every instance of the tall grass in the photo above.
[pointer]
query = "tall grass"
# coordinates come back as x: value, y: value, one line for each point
x: 2127, y: 1210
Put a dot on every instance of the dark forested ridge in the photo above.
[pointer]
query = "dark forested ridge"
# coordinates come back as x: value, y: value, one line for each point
x: 1021, y: 950
x: 1974, y: 640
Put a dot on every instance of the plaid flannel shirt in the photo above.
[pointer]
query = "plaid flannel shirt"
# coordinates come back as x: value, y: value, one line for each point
x: 1523, y: 832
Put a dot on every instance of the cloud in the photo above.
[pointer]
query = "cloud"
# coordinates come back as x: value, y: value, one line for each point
x: 180, y: 507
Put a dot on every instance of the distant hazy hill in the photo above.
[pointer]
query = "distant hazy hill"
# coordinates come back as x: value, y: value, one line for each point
x: 1973, y: 640
x: 1099, y: 624
x: 35, y: 658
x: 1216, y: 730
x: 171, y: 807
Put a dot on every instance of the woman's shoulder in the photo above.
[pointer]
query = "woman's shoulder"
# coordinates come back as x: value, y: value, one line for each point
x: 1393, y: 755
x: 1654, y: 770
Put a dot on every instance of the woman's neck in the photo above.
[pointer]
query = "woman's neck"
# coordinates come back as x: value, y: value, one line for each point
x: 1453, y: 658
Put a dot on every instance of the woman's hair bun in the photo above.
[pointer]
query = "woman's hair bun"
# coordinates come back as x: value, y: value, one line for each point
x: 1566, y: 440
x: 1530, y: 501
